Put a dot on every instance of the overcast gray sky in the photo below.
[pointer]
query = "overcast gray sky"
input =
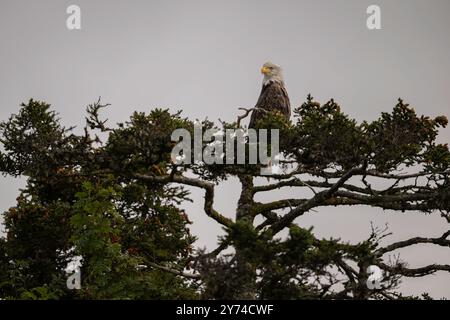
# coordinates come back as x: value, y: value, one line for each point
x: 204, y: 57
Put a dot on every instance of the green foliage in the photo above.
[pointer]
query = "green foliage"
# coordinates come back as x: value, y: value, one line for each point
x: 35, y: 143
x: 324, y: 135
x: 117, y: 225
x: 114, y: 205
x: 144, y: 141
x: 404, y: 138
x: 109, y: 271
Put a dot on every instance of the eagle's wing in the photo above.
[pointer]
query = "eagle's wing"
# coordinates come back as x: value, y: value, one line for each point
x: 273, y: 97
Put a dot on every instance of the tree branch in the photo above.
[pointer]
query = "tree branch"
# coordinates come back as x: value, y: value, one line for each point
x: 442, y: 241
x: 415, y: 272
x: 175, y: 272
x: 313, y: 202
x: 245, y: 115
x: 208, y: 187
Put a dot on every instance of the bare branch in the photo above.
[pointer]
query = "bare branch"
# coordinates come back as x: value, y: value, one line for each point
x: 375, y: 173
x: 208, y: 187
x: 175, y: 272
x: 415, y: 272
x: 245, y: 115
x: 313, y: 202
x: 93, y: 120
x: 442, y: 241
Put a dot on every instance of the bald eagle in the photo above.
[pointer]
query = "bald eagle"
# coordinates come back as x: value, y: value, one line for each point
x: 273, y: 95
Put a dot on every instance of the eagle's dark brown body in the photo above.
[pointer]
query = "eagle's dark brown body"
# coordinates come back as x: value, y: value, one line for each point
x: 273, y: 97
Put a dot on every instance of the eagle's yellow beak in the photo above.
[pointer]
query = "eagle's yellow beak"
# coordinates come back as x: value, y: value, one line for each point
x: 265, y: 70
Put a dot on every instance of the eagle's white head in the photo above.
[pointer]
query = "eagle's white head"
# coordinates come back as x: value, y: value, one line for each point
x: 272, y: 73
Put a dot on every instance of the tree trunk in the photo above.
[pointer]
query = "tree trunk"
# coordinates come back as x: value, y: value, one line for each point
x: 246, y: 270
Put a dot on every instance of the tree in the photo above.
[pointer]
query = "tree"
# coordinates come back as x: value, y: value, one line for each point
x: 117, y: 204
